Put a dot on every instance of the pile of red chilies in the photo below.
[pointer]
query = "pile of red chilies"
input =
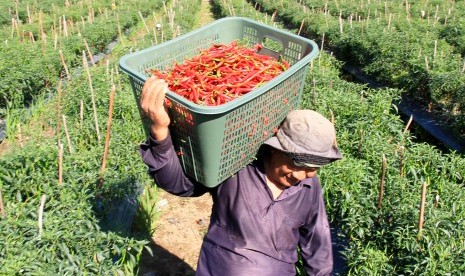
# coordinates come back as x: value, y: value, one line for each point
x: 221, y: 73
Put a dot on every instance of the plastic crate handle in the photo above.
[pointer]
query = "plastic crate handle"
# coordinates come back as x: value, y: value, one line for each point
x: 272, y: 47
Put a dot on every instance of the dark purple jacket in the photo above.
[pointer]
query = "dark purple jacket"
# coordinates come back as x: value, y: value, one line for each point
x: 250, y: 233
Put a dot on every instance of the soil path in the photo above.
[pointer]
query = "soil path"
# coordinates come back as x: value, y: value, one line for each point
x: 182, y: 222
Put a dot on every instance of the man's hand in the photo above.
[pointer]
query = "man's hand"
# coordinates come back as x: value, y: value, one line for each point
x: 152, y: 103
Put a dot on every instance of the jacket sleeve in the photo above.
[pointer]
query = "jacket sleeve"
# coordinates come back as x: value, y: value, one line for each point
x: 315, y: 239
x: 164, y: 167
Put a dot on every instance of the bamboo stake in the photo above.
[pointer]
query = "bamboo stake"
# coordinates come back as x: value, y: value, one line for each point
x: 91, y: 58
x: 60, y: 163
x: 143, y: 21
x: 422, y: 209
x: 301, y: 26
x: 107, y: 137
x: 81, y: 113
x: 332, y: 122
x: 64, y: 65
x: 86, y: 66
x: 41, y: 211
x: 29, y: 20
x: 322, y: 42
x: 59, y: 110
x: 408, y: 124
x: 314, y: 91
x: 426, y: 63
x: 340, y: 23
x: 20, y: 136
x: 2, y: 207
x: 381, y: 184
x: 65, y: 29
x: 119, y: 30
x: 70, y: 147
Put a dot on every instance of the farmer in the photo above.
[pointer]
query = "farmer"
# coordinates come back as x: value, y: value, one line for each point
x: 268, y: 209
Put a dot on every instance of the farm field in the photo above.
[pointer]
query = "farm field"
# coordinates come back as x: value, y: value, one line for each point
x: 70, y: 159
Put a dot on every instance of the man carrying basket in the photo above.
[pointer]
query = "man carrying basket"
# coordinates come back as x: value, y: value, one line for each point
x: 268, y: 209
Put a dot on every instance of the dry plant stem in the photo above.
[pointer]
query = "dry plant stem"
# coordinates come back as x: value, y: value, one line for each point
x: 41, y: 212
x: 408, y: 124
x: 2, y: 207
x: 64, y: 65
x: 86, y: 66
x: 88, y: 51
x: 70, y: 147
x: 107, y: 137
x: 60, y: 163
x: 422, y: 209
x: 381, y: 185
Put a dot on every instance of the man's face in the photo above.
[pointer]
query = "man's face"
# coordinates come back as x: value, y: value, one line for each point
x: 282, y: 171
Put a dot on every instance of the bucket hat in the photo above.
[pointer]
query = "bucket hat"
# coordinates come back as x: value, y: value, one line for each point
x: 308, y: 138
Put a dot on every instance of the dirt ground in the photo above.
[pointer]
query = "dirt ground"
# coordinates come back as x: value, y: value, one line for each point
x: 178, y: 235
x: 182, y: 224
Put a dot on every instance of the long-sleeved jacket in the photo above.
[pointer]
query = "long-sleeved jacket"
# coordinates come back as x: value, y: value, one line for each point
x: 250, y: 233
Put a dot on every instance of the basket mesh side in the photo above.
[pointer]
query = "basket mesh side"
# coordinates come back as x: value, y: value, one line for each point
x: 292, y: 53
x: 248, y: 126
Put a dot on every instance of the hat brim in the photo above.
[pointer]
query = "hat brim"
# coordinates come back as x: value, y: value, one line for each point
x: 309, y: 159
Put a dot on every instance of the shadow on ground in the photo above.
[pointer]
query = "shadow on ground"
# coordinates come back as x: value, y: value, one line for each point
x: 163, y: 263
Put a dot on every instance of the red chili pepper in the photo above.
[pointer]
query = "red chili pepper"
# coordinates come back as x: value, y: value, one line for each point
x: 221, y: 73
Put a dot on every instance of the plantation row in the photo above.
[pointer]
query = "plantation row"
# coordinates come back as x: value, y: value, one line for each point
x: 382, y: 224
x: 42, y: 43
x: 69, y: 233
x: 60, y: 176
x: 416, y: 47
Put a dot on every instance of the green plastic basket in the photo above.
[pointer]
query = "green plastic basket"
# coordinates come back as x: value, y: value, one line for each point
x: 213, y: 143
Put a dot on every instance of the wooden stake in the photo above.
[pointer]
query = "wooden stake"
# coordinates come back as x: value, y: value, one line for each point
x: 64, y: 65
x: 322, y: 42
x: 422, y: 209
x: 314, y: 91
x: 408, y: 124
x: 60, y: 163
x: 41, y: 211
x: 143, y: 21
x: 301, y: 26
x: 86, y: 66
x: 81, y: 113
x: 119, y: 30
x: 107, y: 137
x: 20, y: 136
x: 381, y: 184
x: 65, y: 29
x: 59, y: 111
x: 70, y: 147
x: 360, y: 141
x: 332, y: 122
x: 91, y: 58
x: 2, y: 207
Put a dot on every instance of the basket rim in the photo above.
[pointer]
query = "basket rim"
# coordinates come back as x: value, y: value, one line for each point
x: 223, y: 108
